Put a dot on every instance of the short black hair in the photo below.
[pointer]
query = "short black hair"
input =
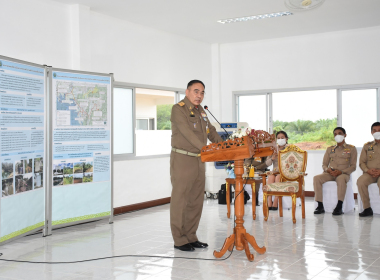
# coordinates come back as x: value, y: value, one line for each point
x: 340, y: 128
x: 195, y: 82
x: 283, y: 132
x: 375, y: 124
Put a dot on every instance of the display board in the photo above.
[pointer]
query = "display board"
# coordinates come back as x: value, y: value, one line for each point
x: 22, y: 147
x: 81, y: 146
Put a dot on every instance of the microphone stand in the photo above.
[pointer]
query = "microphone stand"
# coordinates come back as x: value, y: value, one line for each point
x: 206, y: 107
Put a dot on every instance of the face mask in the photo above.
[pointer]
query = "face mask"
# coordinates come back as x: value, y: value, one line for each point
x: 376, y: 135
x: 281, y: 142
x: 339, y: 138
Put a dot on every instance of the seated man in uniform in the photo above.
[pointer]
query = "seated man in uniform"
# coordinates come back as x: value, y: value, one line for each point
x: 338, y: 163
x: 369, y: 162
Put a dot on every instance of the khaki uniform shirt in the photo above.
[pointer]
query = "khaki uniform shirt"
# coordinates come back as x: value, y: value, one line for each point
x: 342, y: 158
x: 191, y: 127
x: 370, y: 156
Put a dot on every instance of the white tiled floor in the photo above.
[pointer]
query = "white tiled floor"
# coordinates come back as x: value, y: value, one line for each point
x: 319, y: 247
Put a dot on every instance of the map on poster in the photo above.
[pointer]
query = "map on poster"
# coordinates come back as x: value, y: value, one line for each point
x: 81, y: 128
x: 81, y: 103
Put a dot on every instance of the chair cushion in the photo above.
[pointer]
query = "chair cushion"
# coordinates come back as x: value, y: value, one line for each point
x: 282, y: 187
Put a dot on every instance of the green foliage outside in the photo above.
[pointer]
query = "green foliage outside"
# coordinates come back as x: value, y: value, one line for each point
x: 308, y: 131
x: 163, y: 116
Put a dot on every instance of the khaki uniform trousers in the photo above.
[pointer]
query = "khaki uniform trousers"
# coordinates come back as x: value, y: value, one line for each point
x: 363, y: 182
x: 187, y: 175
x: 341, y: 181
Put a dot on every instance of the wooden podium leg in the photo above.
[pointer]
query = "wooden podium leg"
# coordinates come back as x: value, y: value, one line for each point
x: 240, y: 238
x: 250, y: 257
x: 228, y: 200
x: 252, y: 241
x: 228, y: 244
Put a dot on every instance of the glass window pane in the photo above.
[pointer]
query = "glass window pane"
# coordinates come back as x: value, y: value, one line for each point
x: 253, y: 110
x: 154, y: 107
x: 142, y: 124
x: 122, y: 121
x: 359, y: 112
x: 308, y: 117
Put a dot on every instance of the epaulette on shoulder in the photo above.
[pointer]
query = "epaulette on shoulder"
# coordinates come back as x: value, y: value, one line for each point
x: 331, y: 146
x: 181, y: 104
x: 349, y: 145
x: 367, y: 143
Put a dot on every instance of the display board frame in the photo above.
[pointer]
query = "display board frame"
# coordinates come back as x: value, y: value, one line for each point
x: 41, y: 225
x: 50, y: 224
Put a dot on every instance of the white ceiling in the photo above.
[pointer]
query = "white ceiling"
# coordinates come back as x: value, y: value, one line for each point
x: 197, y: 19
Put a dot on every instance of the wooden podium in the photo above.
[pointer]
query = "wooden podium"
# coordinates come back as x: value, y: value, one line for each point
x: 259, y: 145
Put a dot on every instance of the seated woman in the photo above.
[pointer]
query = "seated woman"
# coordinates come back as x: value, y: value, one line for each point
x: 282, y: 140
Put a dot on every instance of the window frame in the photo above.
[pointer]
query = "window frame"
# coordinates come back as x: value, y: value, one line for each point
x: 269, y: 115
x: 133, y: 86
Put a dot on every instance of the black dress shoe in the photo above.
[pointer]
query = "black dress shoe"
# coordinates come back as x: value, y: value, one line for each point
x: 274, y: 208
x: 187, y: 247
x: 366, y: 213
x: 319, y: 210
x: 270, y: 208
x: 198, y: 244
x: 337, y: 212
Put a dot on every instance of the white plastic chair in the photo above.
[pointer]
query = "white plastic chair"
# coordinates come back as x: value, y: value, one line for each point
x: 330, y: 197
x: 374, y: 197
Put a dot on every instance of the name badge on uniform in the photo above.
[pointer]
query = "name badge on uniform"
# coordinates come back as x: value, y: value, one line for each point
x: 195, y: 125
x: 205, y: 119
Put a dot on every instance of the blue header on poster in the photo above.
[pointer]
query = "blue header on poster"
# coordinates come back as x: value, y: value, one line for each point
x: 81, y: 77
x: 23, y: 68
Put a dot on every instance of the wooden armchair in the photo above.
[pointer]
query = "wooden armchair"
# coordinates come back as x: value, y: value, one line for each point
x: 292, y: 165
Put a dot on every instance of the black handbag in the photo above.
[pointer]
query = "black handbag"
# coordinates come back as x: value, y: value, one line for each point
x: 222, y: 195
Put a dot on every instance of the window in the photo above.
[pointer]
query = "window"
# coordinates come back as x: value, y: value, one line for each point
x: 308, y: 117
x: 253, y: 110
x: 123, y: 121
x: 359, y: 112
x: 153, y: 126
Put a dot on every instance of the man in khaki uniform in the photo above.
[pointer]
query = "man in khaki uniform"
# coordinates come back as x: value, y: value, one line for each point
x: 190, y: 131
x: 369, y: 162
x: 338, y: 163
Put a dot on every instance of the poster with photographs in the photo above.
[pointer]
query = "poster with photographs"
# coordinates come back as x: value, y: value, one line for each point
x: 75, y: 172
x: 21, y: 175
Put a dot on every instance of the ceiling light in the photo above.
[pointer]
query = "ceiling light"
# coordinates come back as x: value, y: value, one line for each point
x: 230, y: 20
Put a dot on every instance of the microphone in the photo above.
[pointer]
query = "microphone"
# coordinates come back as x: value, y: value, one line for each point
x: 206, y: 108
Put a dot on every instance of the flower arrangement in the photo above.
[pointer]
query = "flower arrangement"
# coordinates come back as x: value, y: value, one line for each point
x: 259, y: 136
x: 230, y: 169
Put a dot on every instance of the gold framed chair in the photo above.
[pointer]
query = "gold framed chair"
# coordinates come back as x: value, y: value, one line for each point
x: 292, y: 163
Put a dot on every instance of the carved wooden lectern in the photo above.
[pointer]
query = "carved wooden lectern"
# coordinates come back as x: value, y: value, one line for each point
x: 259, y: 144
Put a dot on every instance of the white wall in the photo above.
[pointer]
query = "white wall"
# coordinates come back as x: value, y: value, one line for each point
x: 336, y: 58
x: 74, y: 37
x: 328, y: 59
